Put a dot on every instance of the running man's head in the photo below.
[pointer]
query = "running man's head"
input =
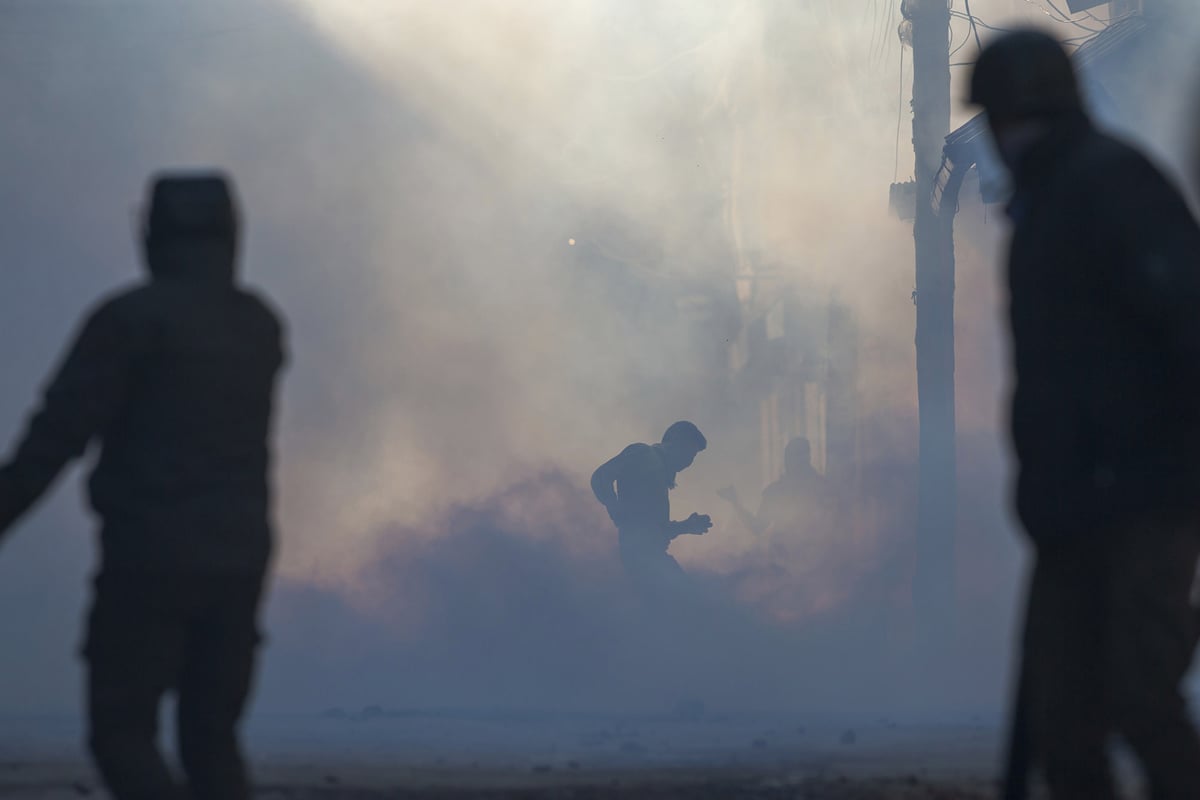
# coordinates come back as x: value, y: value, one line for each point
x: 680, y: 444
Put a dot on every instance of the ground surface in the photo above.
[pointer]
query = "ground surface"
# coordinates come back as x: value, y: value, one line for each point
x: 373, y: 753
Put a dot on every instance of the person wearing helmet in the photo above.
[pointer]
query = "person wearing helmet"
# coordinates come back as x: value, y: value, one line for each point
x: 174, y: 380
x: 634, y: 488
x: 1104, y: 288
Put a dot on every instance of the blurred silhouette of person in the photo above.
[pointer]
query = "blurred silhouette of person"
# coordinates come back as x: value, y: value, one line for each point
x: 634, y: 487
x: 1104, y: 291
x: 798, y: 495
x: 174, y: 380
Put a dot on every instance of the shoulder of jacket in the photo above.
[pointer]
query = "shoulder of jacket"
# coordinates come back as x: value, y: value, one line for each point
x: 1105, y: 158
x: 125, y: 302
x: 638, y: 450
x: 263, y: 303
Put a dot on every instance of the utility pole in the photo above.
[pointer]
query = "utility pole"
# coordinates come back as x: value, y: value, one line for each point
x: 933, y: 586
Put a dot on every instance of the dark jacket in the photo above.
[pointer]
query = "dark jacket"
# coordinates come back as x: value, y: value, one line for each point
x: 175, y: 381
x: 1104, y: 279
x: 640, y: 505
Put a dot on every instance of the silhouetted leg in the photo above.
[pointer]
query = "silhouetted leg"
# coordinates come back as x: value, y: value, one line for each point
x: 133, y: 652
x: 1154, y: 633
x: 1064, y: 641
x: 217, y: 677
x: 654, y: 572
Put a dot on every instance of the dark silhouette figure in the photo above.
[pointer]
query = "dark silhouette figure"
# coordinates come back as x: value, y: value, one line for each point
x: 174, y: 380
x: 640, y: 507
x: 1104, y: 291
x: 789, y: 501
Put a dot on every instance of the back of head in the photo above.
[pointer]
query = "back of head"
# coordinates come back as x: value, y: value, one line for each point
x: 1025, y: 74
x: 685, y: 433
x: 191, y: 225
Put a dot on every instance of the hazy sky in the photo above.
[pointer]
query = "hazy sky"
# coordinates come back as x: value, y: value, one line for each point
x: 413, y: 176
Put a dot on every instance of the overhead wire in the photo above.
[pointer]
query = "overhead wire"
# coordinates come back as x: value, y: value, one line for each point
x: 1074, y: 44
x: 981, y: 23
x: 954, y: 49
x: 899, y: 118
x: 1067, y: 17
x: 974, y: 29
x: 1076, y: 41
x: 1061, y: 17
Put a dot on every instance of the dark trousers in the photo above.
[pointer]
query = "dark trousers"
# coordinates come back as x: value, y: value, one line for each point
x: 648, y: 564
x: 150, y: 634
x: 1109, y: 637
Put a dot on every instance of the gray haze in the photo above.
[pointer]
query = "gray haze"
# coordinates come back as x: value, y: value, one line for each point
x: 476, y: 216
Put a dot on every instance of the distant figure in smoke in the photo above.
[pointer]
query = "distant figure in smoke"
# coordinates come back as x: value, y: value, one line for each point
x: 1104, y: 291
x: 640, y: 506
x: 175, y: 381
x: 798, y: 495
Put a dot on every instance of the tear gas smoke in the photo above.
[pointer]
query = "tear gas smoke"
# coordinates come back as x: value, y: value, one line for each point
x: 481, y: 220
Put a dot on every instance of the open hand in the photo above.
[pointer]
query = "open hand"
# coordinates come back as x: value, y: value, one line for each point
x: 698, y: 523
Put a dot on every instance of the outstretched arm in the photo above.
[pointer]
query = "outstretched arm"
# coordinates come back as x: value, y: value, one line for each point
x: 80, y: 400
x: 753, y: 523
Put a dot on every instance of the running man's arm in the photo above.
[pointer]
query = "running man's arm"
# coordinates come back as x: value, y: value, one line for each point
x: 754, y: 523
x: 696, y: 523
x: 603, y: 480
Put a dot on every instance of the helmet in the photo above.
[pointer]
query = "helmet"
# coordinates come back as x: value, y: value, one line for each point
x: 1025, y: 74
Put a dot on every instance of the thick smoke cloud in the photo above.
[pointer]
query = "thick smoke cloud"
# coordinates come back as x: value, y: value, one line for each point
x: 674, y: 145
x: 521, y: 603
x: 479, y: 218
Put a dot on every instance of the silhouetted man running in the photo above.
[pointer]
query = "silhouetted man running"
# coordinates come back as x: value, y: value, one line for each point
x: 640, y: 507
x: 174, y: 379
